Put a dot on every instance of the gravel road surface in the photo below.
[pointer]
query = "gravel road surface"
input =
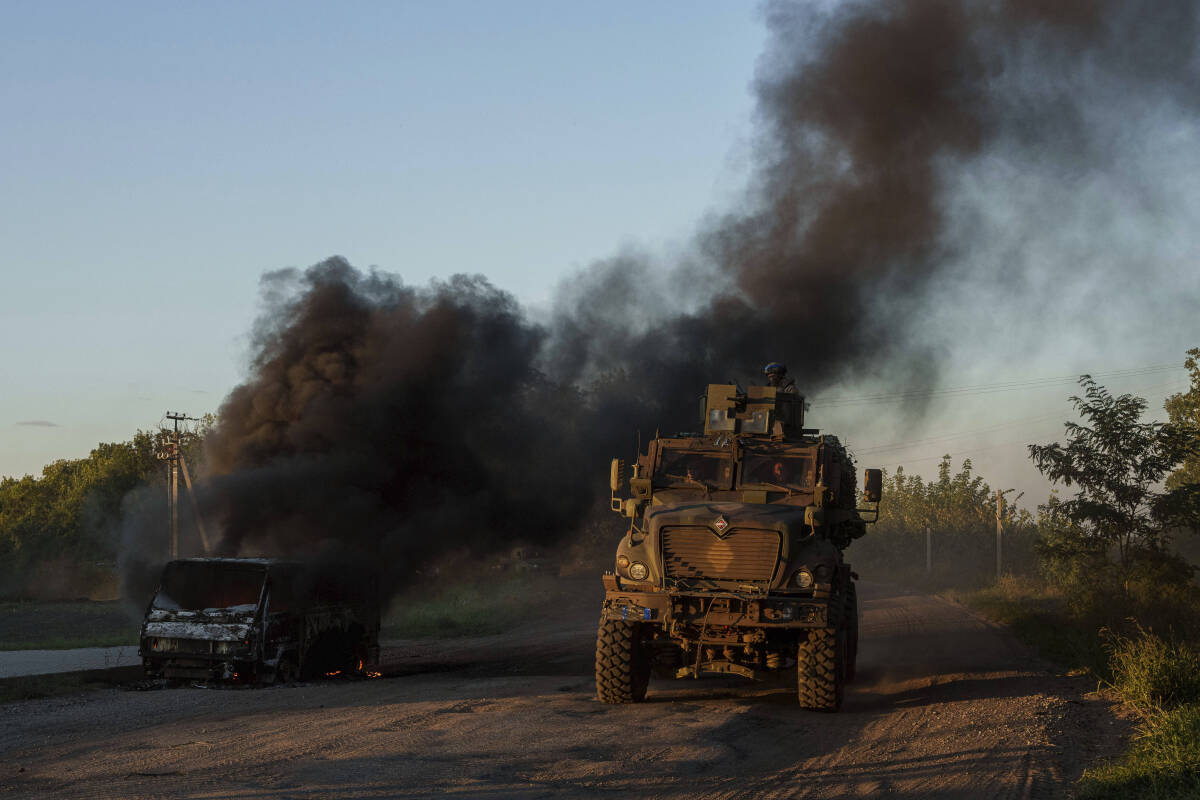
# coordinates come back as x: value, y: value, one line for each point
x: 945, y: 706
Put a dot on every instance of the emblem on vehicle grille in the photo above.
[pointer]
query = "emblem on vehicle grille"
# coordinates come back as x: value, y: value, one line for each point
x: 721, y: 524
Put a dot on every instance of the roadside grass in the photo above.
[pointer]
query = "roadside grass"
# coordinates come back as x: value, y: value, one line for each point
x: 1160, y: 677
x: 64, y: 626
x: 1041, y: 617
x: 488, y: 604
x: 1152, y: 672
x: 1157, y: 675
x: 1162, y: 763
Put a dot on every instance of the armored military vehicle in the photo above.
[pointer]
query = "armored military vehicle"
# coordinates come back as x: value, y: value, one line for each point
x: 733, y: 561
x: 249, y: 620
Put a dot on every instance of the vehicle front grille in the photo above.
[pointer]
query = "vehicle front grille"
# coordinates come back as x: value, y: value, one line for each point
x: 184, y: 646
x: 741, y: 555
x: 190, y: 646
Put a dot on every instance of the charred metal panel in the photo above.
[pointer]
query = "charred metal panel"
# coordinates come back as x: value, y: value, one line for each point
x: 303, y: 620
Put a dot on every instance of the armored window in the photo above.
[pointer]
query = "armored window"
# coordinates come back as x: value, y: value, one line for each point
x: 683, y: 468
x: 769, y: 469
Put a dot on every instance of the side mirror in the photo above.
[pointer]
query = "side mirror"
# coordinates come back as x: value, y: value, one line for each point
x: 873, y: 486
x: 616, y: 475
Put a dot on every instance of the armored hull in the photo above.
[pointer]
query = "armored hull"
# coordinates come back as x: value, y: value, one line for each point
x: 733, y: 561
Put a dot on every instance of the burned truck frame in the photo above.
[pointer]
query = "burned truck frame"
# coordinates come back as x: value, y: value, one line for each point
x: 733, y: 561
x: 258, y: 620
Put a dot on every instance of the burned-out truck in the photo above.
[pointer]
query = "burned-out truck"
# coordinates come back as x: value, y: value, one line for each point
x: 259, y: 620
x: 733, y: 561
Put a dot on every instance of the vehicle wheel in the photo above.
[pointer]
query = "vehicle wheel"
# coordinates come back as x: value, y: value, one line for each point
x: 851, y: 625
x: 622, y: 662
x: 820, y: 672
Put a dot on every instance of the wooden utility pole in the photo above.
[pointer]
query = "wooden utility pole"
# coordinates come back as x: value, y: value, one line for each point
x: 173, y: 466
x: 187, y: 481
x: 928, y: 551
x: 172, y: 453
x: 999, y: 532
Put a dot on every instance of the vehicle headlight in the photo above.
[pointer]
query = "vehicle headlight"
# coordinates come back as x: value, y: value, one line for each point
x: 638, y: 571
x: 804, y: 578
x: 622, y: 561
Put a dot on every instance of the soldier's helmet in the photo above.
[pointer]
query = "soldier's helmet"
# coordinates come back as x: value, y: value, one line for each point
x: 775, y: 368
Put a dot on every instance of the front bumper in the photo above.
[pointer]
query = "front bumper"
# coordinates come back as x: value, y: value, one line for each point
x: 197, y: 659
x: 716, y: 609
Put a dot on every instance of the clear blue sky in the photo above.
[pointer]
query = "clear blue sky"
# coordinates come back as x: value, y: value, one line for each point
x: 157, y: 158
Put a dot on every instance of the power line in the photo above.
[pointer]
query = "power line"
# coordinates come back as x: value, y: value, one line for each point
x: 963, y: 453
x: 882, y: 448
x: 893, y: 447
x: 990, y: 388
x: 1009, y: 386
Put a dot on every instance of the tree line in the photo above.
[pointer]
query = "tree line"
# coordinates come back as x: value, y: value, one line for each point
x: 1126, y: 489
x: 947, y: 524
x: 60, y: 531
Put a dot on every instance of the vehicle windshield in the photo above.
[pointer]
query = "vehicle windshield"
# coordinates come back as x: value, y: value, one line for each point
x: 777, y: 469
x: 194, y: 586
x: 689, y: 468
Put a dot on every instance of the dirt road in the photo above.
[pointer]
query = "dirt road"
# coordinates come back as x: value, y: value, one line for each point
x: 945, y: 706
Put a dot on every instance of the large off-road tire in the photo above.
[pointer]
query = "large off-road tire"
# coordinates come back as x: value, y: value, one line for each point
x: 623, y: 662
x: 820, y: 671
x: 850, y: 623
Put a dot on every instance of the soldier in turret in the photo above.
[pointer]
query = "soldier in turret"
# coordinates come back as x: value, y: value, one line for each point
x: 777, y: 376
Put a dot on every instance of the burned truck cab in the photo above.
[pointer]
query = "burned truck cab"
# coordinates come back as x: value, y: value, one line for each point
x: 733, y: 560
x: 256, y: 620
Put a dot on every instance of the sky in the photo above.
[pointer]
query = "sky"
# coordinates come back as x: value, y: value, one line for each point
x: 159, y: 158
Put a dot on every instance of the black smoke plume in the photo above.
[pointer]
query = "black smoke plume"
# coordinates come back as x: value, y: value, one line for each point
x: 388, y: 424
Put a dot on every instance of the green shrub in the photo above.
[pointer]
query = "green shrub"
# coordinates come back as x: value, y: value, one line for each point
x: 1153, y: 673
x: 1163, y: 762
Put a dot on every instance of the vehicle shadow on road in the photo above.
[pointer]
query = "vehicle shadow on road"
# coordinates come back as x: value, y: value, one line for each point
x: 942, y: 690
